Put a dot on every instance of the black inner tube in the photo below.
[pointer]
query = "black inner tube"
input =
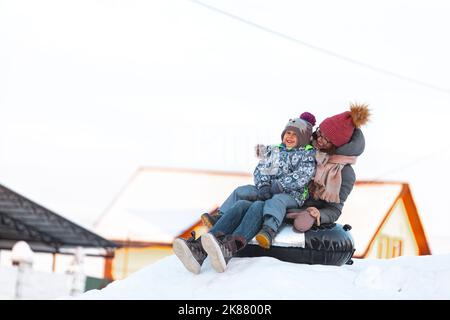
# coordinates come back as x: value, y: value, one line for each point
x: 329, y: 244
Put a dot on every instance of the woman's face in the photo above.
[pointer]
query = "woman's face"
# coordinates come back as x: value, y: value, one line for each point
x: 320, y: 141
x: 290, y: 139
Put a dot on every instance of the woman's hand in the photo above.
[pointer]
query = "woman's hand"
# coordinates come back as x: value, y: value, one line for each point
x: 303, y: 220
x: 315, y: 213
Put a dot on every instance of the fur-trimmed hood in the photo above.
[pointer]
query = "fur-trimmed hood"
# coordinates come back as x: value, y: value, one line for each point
x: 356, y: 145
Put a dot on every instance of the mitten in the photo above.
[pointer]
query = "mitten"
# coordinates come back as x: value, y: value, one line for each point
x: 264, y: 193
x: 276, y: 187
x: 315, y: 213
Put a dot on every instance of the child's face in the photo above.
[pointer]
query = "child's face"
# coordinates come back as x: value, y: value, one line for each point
x: 290, y: 139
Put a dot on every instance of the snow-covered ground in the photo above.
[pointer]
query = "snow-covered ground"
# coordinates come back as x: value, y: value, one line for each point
x: 424, y: 277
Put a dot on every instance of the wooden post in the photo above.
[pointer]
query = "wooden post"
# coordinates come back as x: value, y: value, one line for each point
x: 54, y: 262
x: 108, y: 271
x: 125, y: 258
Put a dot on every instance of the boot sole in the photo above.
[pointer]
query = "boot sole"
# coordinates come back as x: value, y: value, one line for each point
x: 183, y: 253
x: 263, y: 241
x: 211, y: 247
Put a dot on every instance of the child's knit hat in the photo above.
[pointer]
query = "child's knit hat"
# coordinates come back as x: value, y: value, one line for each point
x: 302, y: 128
x: 308, y: 117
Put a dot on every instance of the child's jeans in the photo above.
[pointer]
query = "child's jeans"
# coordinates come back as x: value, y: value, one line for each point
x: 275, y: 209
x: 244, y: 218
x: 248, y: 192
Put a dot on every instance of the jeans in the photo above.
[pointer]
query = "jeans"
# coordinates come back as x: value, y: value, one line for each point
x: 275, y: 209
x: 244, y: 218
x: 247, y: 192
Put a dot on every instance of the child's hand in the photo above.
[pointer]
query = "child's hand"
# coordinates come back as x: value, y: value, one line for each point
x: 264, y: 193
x: 276, y: 187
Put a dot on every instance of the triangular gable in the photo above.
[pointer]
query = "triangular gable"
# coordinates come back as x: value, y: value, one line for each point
x: 370, y: 206
x: 365, y: 209
x: 415, y: 221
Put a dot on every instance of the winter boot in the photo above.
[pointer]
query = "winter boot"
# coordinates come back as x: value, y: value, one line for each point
x: 265, y: 237
x: 190, y: 252
x: 222, y: 249
x: 210, y: 220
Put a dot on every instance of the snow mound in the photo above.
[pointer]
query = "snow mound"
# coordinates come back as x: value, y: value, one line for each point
x: 424, y: 277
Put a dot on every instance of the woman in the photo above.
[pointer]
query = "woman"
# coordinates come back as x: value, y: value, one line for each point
x: 340, y: 141
x: 339, y: 135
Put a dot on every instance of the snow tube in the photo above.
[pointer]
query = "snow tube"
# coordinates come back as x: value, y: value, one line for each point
x: 329, y: 244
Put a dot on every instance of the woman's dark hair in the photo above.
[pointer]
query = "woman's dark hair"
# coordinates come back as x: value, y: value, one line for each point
x: 331, y: 150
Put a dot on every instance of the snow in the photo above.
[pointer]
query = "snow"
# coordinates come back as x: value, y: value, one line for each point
x: 21, y: 252
x: 32, y: 284
x: 412, y: 277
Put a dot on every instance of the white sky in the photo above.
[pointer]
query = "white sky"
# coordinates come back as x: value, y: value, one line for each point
x: 91, y: 90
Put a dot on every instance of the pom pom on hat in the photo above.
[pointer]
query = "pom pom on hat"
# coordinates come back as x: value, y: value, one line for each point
x: 308, y: 117
x: 360, y: 114
x: 339, y: 128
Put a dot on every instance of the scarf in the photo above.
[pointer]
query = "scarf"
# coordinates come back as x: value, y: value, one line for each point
x: 328, y: 179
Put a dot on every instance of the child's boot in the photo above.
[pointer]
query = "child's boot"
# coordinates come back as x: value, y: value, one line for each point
x: 190, y: 252
x: 222, y: 249
x: 265, y: 237
x: 209, y: 220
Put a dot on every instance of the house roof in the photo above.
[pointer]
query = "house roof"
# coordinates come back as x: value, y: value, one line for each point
x: 159, y: 204
x: 369, y: 205
x: 365, y: 209
x: 44, y: 230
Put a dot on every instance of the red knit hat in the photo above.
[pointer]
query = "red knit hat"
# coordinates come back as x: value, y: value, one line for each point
x: 339, y: 129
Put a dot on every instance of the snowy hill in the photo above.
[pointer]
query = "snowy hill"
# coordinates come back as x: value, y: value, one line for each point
x: 424, y: 277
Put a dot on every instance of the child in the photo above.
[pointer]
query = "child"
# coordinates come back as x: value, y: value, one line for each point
x: 280, y: 180
x: 268, y: 163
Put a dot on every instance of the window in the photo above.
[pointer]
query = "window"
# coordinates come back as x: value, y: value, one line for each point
x: 389, y: 247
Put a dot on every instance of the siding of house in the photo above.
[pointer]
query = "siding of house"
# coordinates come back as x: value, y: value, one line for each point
x: 395, y: 237
x: 128, y: 260
x: 131, y: 258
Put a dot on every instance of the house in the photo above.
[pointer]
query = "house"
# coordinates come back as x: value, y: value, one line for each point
x: 160, y: 204
x: 53, y: 238
x: 385, y: 221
